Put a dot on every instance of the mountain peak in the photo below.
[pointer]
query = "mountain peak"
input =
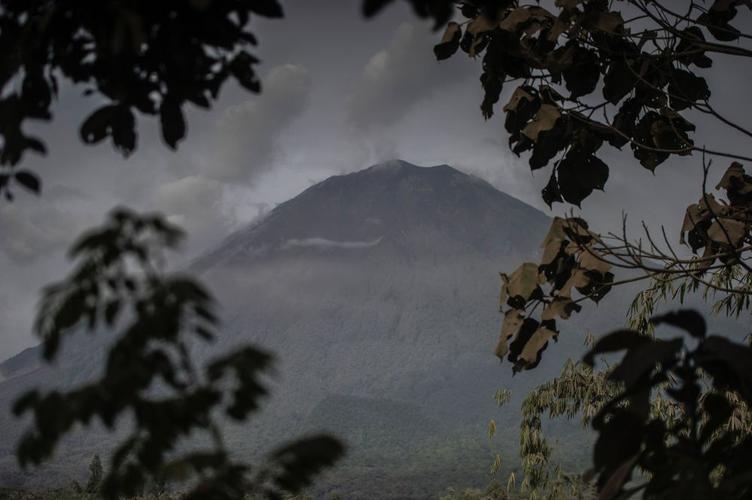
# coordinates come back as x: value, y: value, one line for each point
x: 392, y: 164
x: 397, y: 164
x: 398, y: 175
x: 393, y: 206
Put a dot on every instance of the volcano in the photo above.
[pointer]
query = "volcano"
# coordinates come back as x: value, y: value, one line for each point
x: 377, y: 291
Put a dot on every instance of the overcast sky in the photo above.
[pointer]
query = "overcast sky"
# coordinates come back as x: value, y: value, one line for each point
x: 340, y: 94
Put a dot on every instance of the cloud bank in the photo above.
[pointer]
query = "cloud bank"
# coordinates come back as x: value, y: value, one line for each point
x: 248, y: 135
x: 324, y: 243
x: 396, y: 78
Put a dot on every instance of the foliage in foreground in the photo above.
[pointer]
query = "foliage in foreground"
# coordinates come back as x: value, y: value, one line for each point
x: 73, y: 494
x: 151, y: 377
x: 592, y: 73
x: 558, y: 487
x: 698, y: 455
x: 140, y: 57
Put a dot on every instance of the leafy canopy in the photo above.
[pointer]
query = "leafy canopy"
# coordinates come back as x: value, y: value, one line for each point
x: 590, y: 73
x: 138, y: 57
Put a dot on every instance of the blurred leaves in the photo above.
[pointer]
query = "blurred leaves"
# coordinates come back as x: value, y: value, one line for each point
x: 700, y: 454
x: 294, y: 465
x: 151, y: 376
x: 450, y: 42
x: 138, y: 58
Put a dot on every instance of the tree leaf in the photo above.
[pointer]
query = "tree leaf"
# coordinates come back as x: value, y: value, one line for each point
x: 297, y: 462
x: 29, y: 180
x: 529, y: 18
x: 616, y: 480
x: 613, y: 342
x: 551, y: 192
x: 619, y: 81
x: 561, y: 307
x: 733, y: 175
x: 553, y: 241
x: 718, y: 410
x: 577, y: 279
x: 241, y: 68
x: 123, y: 130
x: 510, y: 326
x: 450, y: 42
x: 582, y: 75
x: 643, y: 358
x: 531, y: 353
x: 519, y: 94
x: 545, y: 119
x: 591, y: 261
x: 688, y: 320
x: 529, y: 327
x: 686, y: 88
x: 727, y: 231
x: 523, y: 282
x: 579, y: 174
x: 607, y: 22
x: 619, y: 439
x: 98, y: 125
x: 172, y: 121
x: 729, y: 363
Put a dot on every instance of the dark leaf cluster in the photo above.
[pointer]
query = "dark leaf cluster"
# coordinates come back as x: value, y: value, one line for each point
x: 150, y: 377
x: 570, y: 264
x: 581, y: 61
x: 137, y: 57
x: 696, y: 456
x: 721, y: 228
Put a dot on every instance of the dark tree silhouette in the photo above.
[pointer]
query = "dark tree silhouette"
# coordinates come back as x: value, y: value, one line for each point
x: 139, y: 57
x: 589, y: 74
x: 151, y: 376
x: 697, y: 456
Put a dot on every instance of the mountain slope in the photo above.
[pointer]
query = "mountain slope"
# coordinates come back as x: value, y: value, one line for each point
x: 388, y: 275
x: 377, y: 291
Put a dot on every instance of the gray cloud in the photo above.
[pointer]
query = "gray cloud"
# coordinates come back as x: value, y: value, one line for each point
x: 195, y: 204
x: 398, y: 77
x: 27, y: 238
x: 247, y: 139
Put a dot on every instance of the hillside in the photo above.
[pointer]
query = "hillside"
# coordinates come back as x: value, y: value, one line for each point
x: 377, y: 291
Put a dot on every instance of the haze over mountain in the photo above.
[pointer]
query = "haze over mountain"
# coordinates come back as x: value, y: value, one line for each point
x: 377, y: 291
